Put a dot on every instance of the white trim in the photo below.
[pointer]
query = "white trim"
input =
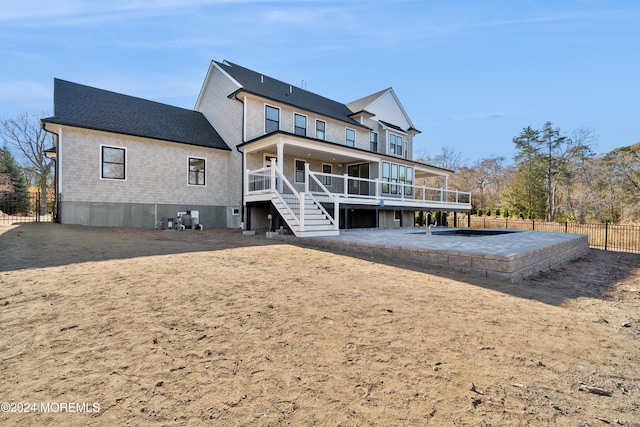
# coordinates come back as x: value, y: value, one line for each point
x: 327, y: 177
x: 207, y: 79
x: 392, y: 129
x: 377, y: 141
x: 59, y: 160
x: 126, y: 163
x: 397, y: 101
x: 189, y: 171
x: 295, y: 170
x: 396, y: 134
x: 324, y: 131
x: 269, y: 142
x: 355, y: 137
x: 264, y: 122
x: 306, y: 127
x: 267, y: 163
x: 244, y: 119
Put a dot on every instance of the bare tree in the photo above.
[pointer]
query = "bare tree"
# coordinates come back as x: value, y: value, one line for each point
x: 447, y: 159
x: 26, y: 135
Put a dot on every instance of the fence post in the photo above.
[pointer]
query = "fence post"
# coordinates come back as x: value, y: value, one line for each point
x: 38, y: 206
x: 566, y: 227
x: 533, y: 225
x: 606, y: 234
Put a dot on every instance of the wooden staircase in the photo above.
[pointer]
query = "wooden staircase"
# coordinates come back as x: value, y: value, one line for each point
x: 316, y: 222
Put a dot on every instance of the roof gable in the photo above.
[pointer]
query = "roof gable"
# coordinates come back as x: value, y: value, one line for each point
x: 276, y: 90
x: 91, y: 108
x: 386, y: 106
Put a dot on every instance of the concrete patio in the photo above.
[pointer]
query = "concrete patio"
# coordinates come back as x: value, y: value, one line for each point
x: 508, y: 257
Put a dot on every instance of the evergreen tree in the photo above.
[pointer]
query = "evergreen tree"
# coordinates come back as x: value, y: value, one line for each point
x: 526, y: 195
x: 554, y: 167
x: 25, y: 134
x: 14, y: 196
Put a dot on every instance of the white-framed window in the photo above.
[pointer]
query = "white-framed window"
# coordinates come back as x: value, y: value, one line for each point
x: 320, y: 129
x: 394, y: 174
x: 197, y: 171
x: 396, y: 144
x: 373, y: 141
x: 271, y: 119
x: 350, y: 137
x: 300, y: 124
x: 113, y: 162
x: 326, y: 180
x: 299, y: 171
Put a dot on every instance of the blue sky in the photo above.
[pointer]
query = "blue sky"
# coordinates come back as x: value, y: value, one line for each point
x: 471, y: 74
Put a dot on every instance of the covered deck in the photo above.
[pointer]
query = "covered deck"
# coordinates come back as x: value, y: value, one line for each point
x: 310, y: 181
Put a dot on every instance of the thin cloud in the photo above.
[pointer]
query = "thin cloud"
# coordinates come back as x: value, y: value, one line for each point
x: 477, y: 116
x: 73, y: 12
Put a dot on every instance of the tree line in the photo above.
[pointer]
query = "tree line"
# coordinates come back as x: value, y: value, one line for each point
x: 25, y: 136
x: 554, y: 177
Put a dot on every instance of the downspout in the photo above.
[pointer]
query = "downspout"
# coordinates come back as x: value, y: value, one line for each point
x: 242, y: 166
x: 56, y: 164
x: 242, y: 185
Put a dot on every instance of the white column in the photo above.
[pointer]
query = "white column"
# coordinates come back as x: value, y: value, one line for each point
x: 280, y: 154
x: 306, y: 177
x: 273, y: 169
x: 346, y: 185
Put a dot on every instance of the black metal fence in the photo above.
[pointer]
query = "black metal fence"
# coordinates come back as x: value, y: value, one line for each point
x: 610, y: 237
x: 19, y: 207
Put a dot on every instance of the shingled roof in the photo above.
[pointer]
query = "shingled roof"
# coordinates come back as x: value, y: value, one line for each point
x: 276, y: 90
x: 91, y: 108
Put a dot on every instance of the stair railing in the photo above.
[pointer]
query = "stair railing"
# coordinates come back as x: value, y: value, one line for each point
x: 332, y: 197
x: 282, y: 189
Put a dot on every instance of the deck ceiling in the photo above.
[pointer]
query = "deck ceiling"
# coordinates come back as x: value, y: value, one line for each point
x: 303, y: 148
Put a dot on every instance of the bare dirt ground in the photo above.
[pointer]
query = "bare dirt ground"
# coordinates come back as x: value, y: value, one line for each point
x: 137, y: 327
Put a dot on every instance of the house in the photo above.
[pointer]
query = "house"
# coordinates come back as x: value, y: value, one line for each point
x: 255, y: 153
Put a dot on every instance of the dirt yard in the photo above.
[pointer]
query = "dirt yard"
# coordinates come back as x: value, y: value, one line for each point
x: 134, y: 327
